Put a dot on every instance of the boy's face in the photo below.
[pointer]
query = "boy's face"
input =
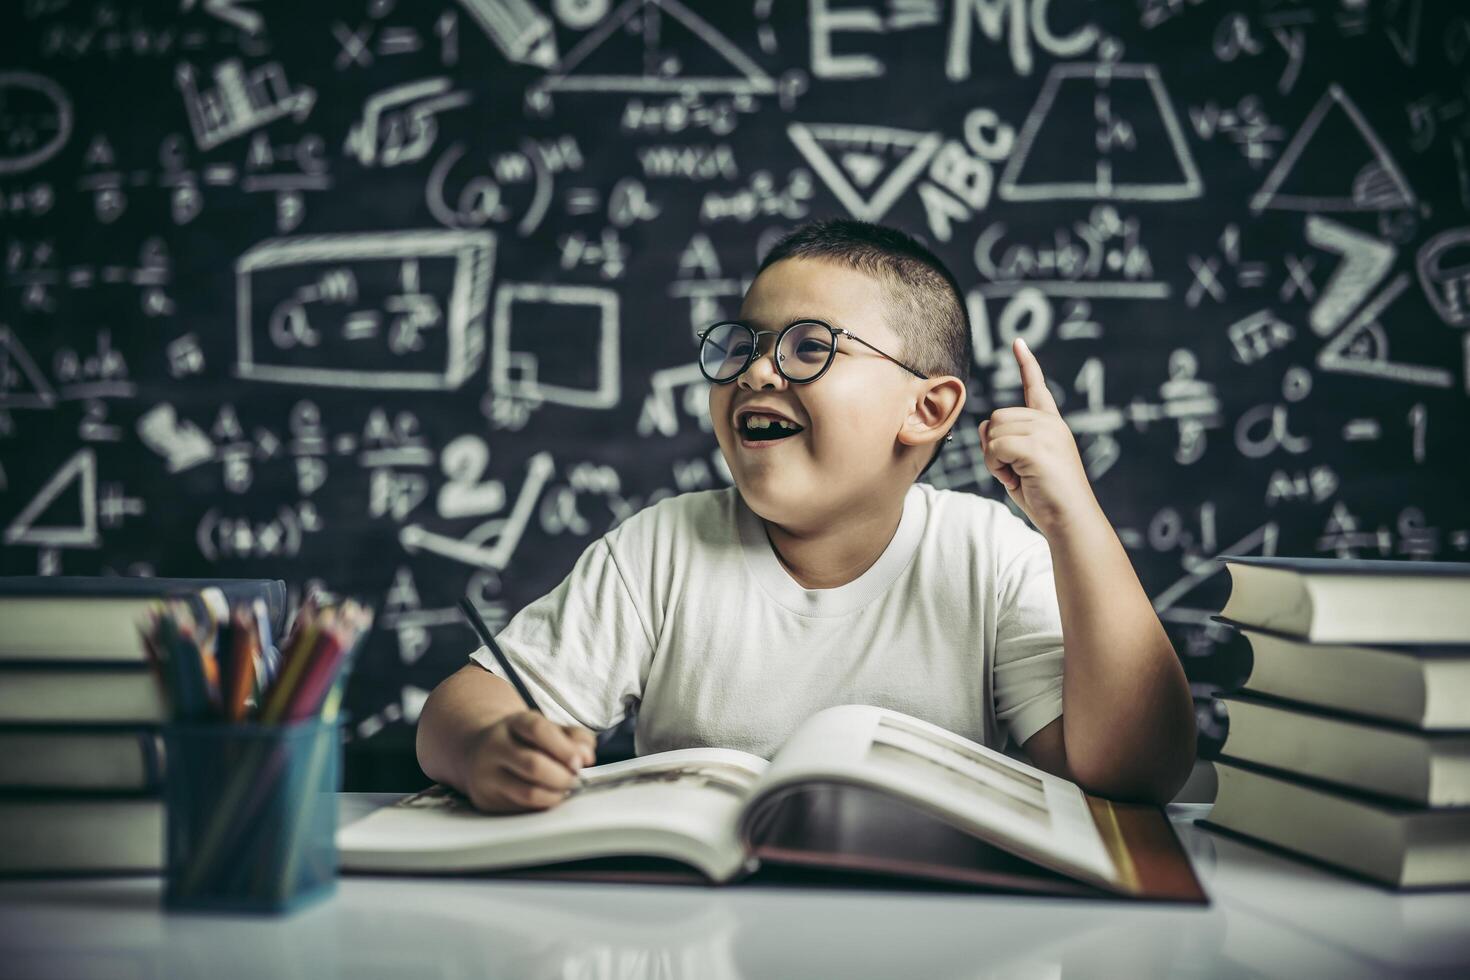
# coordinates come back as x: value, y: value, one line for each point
x: 850, y: 416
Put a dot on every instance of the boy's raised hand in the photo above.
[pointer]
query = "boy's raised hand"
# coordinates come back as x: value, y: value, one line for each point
x: 1032, y: 453
x: 525, y: 761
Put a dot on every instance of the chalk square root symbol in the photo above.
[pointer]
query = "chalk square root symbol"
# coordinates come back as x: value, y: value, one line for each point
x: 473, y: 254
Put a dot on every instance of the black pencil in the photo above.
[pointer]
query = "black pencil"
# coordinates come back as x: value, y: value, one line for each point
x: 473, y: 615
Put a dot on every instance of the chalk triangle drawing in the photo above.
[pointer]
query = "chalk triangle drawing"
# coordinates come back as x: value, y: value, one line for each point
x: 1335, y: 162
x: 21, y: 384
x: 903, y: 153
x: 862, y: 168
x: 1361, y: 346
x: 657, y: 46
x: 1134, y: 149
x: 79, y: 473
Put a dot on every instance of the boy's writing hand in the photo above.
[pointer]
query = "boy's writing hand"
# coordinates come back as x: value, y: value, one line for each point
x: 524, y: 761
x: 1032, y: 453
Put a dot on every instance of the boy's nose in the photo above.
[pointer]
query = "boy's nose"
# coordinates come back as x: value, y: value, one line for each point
x: 762, y: 372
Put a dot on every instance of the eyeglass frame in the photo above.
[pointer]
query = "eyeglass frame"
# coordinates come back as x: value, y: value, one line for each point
x: 832, y: 356
x: 776, y: 347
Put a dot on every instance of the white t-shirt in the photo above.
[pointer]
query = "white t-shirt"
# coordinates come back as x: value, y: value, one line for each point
x: 685, y: 609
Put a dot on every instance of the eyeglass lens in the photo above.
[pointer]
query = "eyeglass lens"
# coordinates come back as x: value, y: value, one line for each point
x: 803, y: 352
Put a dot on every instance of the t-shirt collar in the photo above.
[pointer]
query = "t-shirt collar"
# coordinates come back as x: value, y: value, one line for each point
x: 843, y: 600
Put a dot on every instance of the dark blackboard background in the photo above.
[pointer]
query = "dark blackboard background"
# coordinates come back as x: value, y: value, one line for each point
x: 78, y: 225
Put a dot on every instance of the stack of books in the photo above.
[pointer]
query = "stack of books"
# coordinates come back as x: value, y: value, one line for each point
x: 81, y: 759
x: 1350, y: 742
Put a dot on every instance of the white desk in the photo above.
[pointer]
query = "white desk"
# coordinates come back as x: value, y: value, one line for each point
x: 1269, y: 916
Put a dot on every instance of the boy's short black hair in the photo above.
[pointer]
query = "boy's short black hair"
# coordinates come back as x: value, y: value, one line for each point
x: 925, y: 306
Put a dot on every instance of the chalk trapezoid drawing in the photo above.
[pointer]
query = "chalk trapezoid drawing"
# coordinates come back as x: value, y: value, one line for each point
x: 1348, y: 167
x: 22, y: 385
x: 847, y: 157
x: 1057, y: 160
x: 626, y: 55
x: 80, y: 472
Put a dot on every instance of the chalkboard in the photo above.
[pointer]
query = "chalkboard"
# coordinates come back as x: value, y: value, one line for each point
x: 401, y: 297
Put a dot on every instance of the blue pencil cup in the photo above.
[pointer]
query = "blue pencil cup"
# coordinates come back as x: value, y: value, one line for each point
x: 251, y: 815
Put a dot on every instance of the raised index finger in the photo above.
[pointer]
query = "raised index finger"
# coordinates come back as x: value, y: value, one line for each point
x: 1033, y: 382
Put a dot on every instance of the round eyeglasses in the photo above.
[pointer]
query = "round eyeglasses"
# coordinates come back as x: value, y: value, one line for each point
x: 804, y: 350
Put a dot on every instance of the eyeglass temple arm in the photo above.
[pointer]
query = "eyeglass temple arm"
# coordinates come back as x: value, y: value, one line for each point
x: 895, y: 360
x: 948, y: 436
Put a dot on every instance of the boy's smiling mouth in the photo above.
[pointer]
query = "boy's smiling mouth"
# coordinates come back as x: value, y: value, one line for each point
x: 759, y: 427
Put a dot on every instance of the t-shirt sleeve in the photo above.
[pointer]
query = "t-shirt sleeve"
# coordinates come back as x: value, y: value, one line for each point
x: 583, y: 649
x: 1027, y: 677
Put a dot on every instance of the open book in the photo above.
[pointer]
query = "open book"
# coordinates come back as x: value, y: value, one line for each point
x: 855, y: 789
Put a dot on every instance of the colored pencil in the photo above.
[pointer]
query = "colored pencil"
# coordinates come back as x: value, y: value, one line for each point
x: 243, y: 656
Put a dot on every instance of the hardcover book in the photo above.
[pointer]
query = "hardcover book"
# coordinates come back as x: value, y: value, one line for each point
x: 82, y: 619
x: 1339, y: 600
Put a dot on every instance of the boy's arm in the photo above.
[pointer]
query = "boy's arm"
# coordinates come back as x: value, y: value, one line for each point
x: 476, y: 735
x: 1127, y: 729
x: 463, y: 705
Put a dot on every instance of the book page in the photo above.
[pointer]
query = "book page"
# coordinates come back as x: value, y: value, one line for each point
x: 680, y: 804
x: 1037, y: 815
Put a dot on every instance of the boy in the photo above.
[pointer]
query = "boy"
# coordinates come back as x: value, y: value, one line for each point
x: 827, y: 575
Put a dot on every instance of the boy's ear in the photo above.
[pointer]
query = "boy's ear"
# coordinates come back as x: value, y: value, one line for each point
x: 936, y: 410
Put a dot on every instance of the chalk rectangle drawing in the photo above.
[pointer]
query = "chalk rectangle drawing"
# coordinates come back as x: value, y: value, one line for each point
x: 517, y: 374
x: 384, y: 310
